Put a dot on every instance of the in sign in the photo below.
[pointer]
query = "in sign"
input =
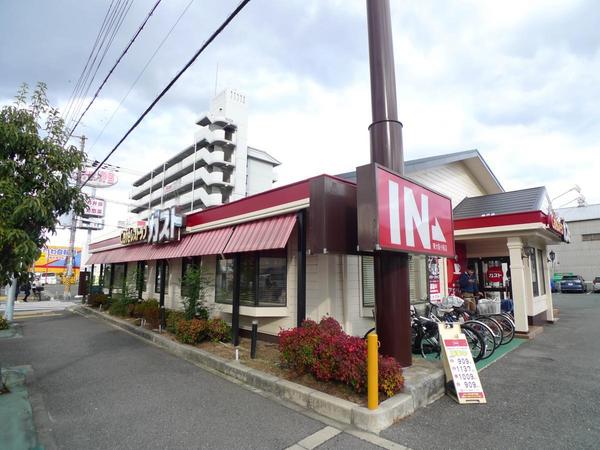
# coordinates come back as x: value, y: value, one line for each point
x: 397, y: 214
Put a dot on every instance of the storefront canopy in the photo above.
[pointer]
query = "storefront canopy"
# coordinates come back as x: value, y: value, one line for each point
x: 266, y: 234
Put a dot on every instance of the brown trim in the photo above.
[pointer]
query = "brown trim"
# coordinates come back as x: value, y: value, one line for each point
x: 539, y: 319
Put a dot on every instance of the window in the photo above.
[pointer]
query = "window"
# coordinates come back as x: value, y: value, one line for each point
x: 142, y: 277
x: 262, y: 278
x: 368, y: 281
x: 119, y: 275
x: 224, y: 280
x: 590, y: 237
x: 185, y: 263
x: 159, y: 265
x: 534, y: 275
x: 542, y: 275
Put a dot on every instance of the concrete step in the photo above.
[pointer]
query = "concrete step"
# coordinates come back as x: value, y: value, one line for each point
x: 534, y: 330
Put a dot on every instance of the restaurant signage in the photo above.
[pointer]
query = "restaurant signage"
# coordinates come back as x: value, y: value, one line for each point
x: 559, y: 226
x: 95, y: 207
x: 164, y: 226
x: 399, y: 215
x: 134, y: 234
x: 101, y: 179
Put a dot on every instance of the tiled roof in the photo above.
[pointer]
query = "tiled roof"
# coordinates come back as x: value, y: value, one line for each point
x: 533, y: 199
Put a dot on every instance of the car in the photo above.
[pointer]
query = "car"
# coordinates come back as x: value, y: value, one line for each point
x: 48, y: 278
x: 596, y: 284
x: 572, y: 283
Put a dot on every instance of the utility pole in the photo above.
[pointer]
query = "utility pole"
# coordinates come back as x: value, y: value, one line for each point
x: 70, y: 256
x: 392, y: 302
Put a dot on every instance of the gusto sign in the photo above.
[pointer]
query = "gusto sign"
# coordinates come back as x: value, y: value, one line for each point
x: 404, y: 216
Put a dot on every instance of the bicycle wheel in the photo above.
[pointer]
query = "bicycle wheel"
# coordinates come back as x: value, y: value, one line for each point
x: 508, y: 328
x: 430, y: 340
x: 475, y: 340
x: 487, y: 335
x: 494, y: 326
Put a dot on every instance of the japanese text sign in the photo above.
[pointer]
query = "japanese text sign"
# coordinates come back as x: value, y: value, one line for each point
x: 397, y: 214
x: 95, y: 207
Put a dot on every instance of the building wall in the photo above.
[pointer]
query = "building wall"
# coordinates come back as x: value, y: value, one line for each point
x: 453, y: 180
x: 260, y: 176
x: 579, y: 257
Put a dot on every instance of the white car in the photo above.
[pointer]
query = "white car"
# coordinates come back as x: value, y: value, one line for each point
x: 48, y: 278
x: 596, y: 284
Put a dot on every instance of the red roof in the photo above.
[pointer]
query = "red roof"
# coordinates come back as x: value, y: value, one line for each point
x: 267, y: 234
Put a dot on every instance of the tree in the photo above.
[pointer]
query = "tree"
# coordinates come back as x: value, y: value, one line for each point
x: 194, y: 284
x: 37, y: 169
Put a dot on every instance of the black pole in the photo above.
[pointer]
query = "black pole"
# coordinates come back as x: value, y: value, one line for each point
x: 163, y: 274
x: 392, y: 300
x: 301, y: 268
x: 111, y: 279
x: 254, y: 339
x: 235, y: 319
x: 91, y: 284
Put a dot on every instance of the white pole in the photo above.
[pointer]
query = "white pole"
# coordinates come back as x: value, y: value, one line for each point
x: 10, y: 299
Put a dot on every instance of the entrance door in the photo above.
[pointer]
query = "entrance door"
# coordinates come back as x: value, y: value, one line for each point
x: 493, y: 275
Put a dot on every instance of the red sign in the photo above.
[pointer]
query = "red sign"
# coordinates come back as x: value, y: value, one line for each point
x: 101, y: 179
x: 495, y: 274
x: 95, y: 207
x: 410, y: 218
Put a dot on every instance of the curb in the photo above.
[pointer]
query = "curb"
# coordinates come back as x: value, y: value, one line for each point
x: 424, y: 382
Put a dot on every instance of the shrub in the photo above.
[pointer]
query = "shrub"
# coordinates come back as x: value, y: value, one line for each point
x: 4, y: 325
x: 328, y: 353
x: 119, y: 308
x: 173, y: 317
x: 98, y: 299
x: 218, y: 330
x: 191, y: 331
x: 151, y: 313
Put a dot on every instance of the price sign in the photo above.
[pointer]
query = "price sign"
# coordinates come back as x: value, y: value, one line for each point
x: 462, y: 377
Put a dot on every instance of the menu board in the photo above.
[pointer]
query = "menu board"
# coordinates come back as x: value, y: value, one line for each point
x: 462, y: 378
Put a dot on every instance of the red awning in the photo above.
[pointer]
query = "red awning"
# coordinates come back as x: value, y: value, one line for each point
x: 267, y: 234
x: 210, y: 242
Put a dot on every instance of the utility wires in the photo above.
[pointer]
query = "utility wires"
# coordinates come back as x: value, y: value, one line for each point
x: 137, y: 33
x: 172, y: 82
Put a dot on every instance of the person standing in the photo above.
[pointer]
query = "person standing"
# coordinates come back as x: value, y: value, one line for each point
x: 469, y: 288
x: 26, y: 289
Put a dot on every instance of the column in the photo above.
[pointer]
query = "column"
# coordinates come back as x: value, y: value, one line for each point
x: 518, y: 281
x: 549, y: 300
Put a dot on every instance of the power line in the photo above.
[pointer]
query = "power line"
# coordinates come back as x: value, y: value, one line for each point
x: 81, y: 75
x: 137, y: 33
x: 172, y: 82
x: 118, y: 22
x: 140, y: 75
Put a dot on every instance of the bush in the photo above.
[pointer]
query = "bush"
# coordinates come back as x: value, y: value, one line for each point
x: 191, y: 331
x: 151, y: 313
x: 119, y: 308
x: 194, y: 286
x: 173, y: 317
x: 218, y: 330
x: 98, y: 299
x: 4, y: 325
x: 328, y: 353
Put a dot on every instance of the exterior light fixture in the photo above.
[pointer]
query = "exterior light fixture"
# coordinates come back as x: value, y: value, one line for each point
x: 552, y: 255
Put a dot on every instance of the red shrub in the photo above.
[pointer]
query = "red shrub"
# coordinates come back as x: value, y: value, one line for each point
x: 328, y: 353
x: 191, y: 331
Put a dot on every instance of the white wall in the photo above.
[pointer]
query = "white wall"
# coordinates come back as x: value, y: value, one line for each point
x: 260, y: 176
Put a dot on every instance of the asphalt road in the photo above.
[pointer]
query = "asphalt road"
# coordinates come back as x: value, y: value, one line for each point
x: 94, y: 386
x: 543, y: 395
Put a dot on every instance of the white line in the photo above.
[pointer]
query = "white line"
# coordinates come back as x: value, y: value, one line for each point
x: 316, y: 439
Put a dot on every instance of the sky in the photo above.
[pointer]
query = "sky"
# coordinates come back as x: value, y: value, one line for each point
x: 519, y: 81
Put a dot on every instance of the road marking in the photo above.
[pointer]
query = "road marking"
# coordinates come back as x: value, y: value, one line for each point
x: 376, y: 440
x: 316, y: 439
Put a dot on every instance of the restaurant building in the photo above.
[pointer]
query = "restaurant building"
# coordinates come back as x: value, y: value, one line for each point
x: 291, y: 253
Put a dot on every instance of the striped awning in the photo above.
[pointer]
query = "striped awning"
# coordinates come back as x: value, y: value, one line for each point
x: 267, y: 234
x: 210, y: 242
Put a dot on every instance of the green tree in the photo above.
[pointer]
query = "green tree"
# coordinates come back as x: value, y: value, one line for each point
x: 194, y: 284
x: 37, y: 169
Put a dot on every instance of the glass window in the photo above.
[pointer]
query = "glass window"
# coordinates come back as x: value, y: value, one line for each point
x: 185, y: 263
x: 368, y: 281
x: 142, y: 277
x: 120, y: 272
x: 272, y: 281
x: 542, y: 274
x: 248, y: 266
x: 534, y: 275
x: 224, y: 280
x: 106, y: 275
x: 159, y: 264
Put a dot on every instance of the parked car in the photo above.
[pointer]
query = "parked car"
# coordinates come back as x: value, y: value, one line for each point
x: 572, y: 283
x: 48, y: 278
x: 596, y: 284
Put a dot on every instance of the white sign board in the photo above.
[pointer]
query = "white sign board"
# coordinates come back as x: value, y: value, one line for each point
x: 164, y: 226
x: 90, y: 224
x: 101, y: 179
x: 459, y: 366
x: 95, y: 207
